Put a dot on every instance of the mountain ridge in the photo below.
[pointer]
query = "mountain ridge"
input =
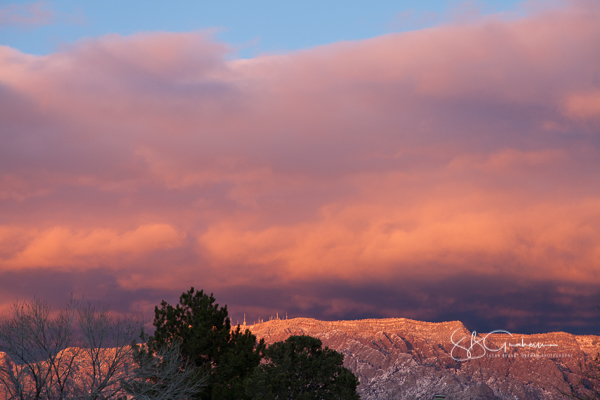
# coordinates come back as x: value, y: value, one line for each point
x: 402, y: 359
x: 406, y: 359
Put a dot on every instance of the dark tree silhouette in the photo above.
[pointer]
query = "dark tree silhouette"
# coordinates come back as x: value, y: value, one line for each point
x: 203, y: 331
x: 300, y: 369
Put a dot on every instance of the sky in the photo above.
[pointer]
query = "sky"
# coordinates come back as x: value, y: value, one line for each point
x: 428, y: 160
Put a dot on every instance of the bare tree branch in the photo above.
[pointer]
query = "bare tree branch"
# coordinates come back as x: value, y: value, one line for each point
x: 45, y: 359
x: 164, y: 376
x: 38, y: 368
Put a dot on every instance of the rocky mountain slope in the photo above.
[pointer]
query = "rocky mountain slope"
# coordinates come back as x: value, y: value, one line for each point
x: 405, y: 359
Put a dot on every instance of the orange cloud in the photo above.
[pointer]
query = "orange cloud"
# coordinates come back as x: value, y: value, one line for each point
x: 474, y: 233
x: 60, y: 247
x: 460, y: 150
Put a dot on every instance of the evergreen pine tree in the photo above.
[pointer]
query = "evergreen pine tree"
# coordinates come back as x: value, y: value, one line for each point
x: 203, y: 331
x: 300, y: 369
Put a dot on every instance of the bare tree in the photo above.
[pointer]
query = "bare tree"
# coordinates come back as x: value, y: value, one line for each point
x: 38, y: 363
x: 80, y: 352
x: 164, y: 376
x: 105, y: 352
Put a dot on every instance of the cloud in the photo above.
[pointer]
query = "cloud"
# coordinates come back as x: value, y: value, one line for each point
x: 583, y: 105
x: 483, y: 303
x: 463, y: 150
x: 60, y: 247
x: 32, y: 14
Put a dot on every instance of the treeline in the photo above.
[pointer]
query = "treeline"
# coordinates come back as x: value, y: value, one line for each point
x: 82, y: 352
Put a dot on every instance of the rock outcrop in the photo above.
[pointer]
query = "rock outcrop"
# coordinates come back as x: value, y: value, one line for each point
x: 405, y: 359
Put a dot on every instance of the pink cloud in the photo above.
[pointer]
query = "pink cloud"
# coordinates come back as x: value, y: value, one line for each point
x: 465, y: 149
x: 584, y: 106
x: 32, y: 14
x: 60, y: 247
